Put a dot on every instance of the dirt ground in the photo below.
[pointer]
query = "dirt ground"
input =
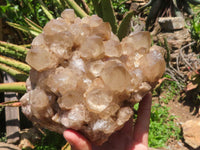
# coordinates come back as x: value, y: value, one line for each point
x: 184, y: 110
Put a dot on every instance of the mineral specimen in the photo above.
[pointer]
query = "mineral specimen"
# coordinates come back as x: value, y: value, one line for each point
x: 84, y: 78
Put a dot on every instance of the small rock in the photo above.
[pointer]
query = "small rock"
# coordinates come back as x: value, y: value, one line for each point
x: 29, y: 137
x: 171, y: 23
x: 191, y: 132
x: 176, y: 39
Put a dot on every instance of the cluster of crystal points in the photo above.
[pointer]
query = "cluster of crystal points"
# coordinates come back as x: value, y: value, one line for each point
x: 84, y: 78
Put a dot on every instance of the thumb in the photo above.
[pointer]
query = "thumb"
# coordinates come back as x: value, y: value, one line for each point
x: 76, y: 140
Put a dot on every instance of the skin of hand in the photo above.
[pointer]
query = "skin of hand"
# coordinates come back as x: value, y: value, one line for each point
x: 128, y: 138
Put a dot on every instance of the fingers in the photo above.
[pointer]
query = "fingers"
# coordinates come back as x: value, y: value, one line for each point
x: 141, y: 129
x: 77, y: 141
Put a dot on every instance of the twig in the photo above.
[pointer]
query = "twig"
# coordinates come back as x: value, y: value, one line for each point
x: 173, y: 77
x: 182, y: 55
x: 66, y: 147
x: 177, y: 63
x: 10, y: 104
x: 87, y: 9
x: 170, y: 66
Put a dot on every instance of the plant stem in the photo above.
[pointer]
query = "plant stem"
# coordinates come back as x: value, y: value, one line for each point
x: 45, y: 9
x: 12, y: 53
x: 10, y: 104
x: 79, y: 11
x: 14, y: 63
x: 14, y: 47
x: 19, y: 87
x: 19, y: 75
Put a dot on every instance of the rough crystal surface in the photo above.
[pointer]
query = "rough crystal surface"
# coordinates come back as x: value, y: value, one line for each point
x: 84, y: 78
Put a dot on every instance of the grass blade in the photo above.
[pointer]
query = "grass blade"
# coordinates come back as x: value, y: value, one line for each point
x: 23, y: 28
x: 45, y: 9
x: 78, y: 10
x: 19, y: 87
x: 124, y: 27
x: 33, y: 25
x: 14, y: 63
x: 108, y: 14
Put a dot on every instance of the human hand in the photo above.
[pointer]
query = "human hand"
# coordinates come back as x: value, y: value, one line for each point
x: 128, y: 138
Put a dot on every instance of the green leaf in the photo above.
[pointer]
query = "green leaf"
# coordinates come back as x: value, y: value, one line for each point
x: 24, y: 29
x: 97, y: 7
x: 33, y: 25
x: 45, y: 9
x: 78, y: 10
x: 124, y: 27
x: 108, y: 14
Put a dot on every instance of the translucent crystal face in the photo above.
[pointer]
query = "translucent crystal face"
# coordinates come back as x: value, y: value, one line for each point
x: 92, y: 47
x: 115, y: 76
x: 84, y: 78
x: 98, y: 99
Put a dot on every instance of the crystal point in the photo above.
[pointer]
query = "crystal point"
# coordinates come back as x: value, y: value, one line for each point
x: 84, y: 78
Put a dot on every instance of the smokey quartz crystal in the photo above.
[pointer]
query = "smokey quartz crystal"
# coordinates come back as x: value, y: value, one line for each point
x: 84, y: 78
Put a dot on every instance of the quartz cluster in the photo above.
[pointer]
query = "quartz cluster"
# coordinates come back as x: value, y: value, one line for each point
x: 84, y: 78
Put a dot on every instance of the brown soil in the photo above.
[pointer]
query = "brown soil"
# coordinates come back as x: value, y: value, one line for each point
x: 184, y: 110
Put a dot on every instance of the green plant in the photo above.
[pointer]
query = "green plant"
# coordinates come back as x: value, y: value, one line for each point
x: 195, y: 8
x: 50, y: 141
x: 19, y: 70
x: 162, y: 126
x: 15, y: 11
x: 195, y: 31
x: 11, y: 61
x: 103, y: 8
x: 120, y: 6
x: 3, y: 137
x: 168, y: 87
